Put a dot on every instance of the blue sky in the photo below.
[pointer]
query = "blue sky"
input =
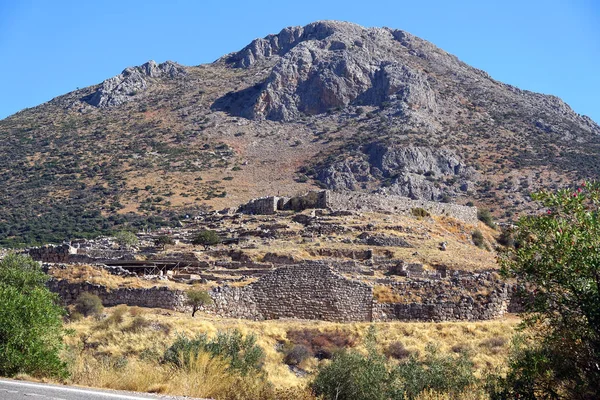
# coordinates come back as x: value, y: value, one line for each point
x: 49, y: 48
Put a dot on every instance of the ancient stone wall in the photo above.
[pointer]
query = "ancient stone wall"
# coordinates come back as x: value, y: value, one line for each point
x: 307, y: 291
x: 156, y: 297
x: 52, y: 254
x: 366, y: 202
x: 316, y: 292
x: 396, y: 204
x: 480, y: 296
x: 260, y: 206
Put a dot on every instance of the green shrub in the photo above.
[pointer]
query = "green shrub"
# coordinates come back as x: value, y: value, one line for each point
x: 436, y: 372
x: 242, y: 353
x: 478, y: 239
x: 88, y: 304
x: 557, y: 254
x: 420, y: 212
x: 353, y: 376
x: 163, y: 240
x: 31, y: 328
x: 485, y: 216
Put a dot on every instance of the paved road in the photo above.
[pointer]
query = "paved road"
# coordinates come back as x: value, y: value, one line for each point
x: 22, y: 390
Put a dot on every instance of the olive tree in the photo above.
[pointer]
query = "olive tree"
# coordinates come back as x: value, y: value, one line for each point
x: 557, y: 256
x: 206, y: 238
x: 31, y: 328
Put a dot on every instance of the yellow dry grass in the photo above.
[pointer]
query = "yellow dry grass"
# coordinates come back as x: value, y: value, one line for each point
x: 486, y: 340
x: 87, y: 273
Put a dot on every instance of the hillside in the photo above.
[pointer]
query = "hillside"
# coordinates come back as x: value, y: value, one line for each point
x: 331, y: 104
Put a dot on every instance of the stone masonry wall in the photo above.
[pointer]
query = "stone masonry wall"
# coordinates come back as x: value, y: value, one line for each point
x: 479, y: 296
x: 156, y: 297
x: 396, y: 204
x: 367, y: 202
x: 307, y: 291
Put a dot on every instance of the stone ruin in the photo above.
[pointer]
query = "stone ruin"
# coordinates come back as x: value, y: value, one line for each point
x: 356, y: 201
x: 314, y: 291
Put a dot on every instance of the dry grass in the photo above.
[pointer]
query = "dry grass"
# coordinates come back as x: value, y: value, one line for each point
x: 80, y: 273
x: 97, y: 346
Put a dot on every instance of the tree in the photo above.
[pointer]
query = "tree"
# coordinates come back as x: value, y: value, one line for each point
x: 163, y: 240
x: 206, y: 238
x: 197, y: 299
x: 126, y: 239
x: 557, y: 255
x: 30, y: 320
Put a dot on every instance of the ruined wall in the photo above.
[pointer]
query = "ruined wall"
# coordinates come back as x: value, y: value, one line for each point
x: 397, y: 204
x: 475, y: 297
x: 52, y: 254
x: 156, y: 297
x: 261, y: 206
x: 308, y: 291
x: 367, y: 202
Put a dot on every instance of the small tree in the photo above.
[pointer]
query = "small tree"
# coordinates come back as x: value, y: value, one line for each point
x: 126, y: 239
x: 206, y: 238
x: 30, y: 321
x: 558, y: 255
x: 163, y: 241
x: 197, y: 299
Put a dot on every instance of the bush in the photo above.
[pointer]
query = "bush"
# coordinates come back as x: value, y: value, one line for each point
x: 420, y: 212
x: 397, y: 351
x: 137, y: 325
x: 206, y: 238
x: 88, y: 304
x: 297, y: 354
x: 437, y: 373
x: 478, y: 239
x: 242, y: 354
x: 506, y: 238
x: 31, y: 328
x: 485, y: 216
x: 322, y: 344
x: 352, y: 375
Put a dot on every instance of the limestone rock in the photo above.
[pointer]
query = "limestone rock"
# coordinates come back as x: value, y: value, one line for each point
x: 131, y: 82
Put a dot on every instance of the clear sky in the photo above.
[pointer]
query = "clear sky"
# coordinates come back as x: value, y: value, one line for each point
x: 48, y: 48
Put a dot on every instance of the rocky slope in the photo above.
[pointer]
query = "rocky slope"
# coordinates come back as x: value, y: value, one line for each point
x: 329, y: 104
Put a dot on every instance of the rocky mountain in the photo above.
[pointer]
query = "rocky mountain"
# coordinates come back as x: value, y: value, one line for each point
x: 330, y: 104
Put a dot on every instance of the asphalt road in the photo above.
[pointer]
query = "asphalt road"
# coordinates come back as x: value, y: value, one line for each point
x: 21, y: 390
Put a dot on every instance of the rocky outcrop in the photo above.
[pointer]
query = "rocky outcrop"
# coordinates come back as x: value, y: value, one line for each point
x: 416, y: 172
x: 330, y: 65
x: 131, y: 82
x: 322, y: 66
